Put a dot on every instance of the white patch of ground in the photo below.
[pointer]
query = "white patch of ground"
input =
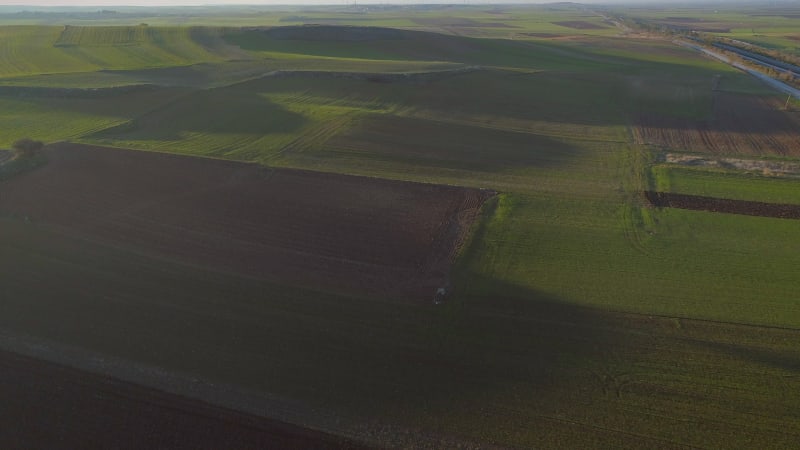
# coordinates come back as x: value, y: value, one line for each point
x: 775, y: 168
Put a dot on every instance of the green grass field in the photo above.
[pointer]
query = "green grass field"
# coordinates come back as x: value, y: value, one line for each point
x: 582, y: 316
x: 727, y: 184
x: 30, y: 50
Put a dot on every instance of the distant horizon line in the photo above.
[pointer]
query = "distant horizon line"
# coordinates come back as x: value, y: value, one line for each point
x: 195, y: 3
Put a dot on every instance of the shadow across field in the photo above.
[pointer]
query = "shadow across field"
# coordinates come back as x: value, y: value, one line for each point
x: 386, y: 362
x: 737, y: 113
x: 395, y: 44
x: 781, y: 359
x: 48, y: 405
x: 496, y: 363
x: 223, y: 111
x: 417, y: 142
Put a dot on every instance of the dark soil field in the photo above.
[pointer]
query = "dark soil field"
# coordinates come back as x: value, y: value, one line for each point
x: 740, y: 124
x: 49, y: 406
x: 346, y: 234
x: 723, y: 205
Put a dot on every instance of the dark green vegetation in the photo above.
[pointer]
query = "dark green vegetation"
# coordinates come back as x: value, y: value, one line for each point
x: 581, y: 317
x: 25, y: 155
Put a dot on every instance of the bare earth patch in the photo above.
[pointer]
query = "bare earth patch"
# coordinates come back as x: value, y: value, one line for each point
x: 357, y: 235
x: 750, y: 165
x: 723, y: 205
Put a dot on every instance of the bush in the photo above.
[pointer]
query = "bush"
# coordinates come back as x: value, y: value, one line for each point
x: 27, y: 148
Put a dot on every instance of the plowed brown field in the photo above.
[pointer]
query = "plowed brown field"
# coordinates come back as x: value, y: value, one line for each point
x: 342, y: 233
x: 723, y: 205
x: 741, y: 124
x: 49, y: 406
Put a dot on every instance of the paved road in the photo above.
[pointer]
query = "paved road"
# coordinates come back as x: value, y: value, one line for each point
x: 761, y: 59
x: 775, y: 84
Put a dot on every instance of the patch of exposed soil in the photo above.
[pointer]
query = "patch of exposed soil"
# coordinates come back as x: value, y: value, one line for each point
x: 46, y: 405
x: 5, y: 155
x: 348, y: 234
x: 580, y: 25
x: 740, y: 124
x: 723, y: 205
x: 750, y: 165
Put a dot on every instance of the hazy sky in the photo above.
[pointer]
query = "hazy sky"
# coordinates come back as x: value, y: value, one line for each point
x: 239, y: 2
x: 242, y: 2
x: 301, y: 2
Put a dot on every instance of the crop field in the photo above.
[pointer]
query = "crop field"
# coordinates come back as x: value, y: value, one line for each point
x: 33, y: 112
x: 101, y: 417
x: 578, y: 375
x: 252, y: 212
x: 374, y: 43
x: 726, y: 183
x: 27, y: 50
x: 341, y: 233
x: 738, y: 125
x: 723, y: 205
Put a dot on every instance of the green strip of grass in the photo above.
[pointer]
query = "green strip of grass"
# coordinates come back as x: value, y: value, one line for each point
x: 725, y: 184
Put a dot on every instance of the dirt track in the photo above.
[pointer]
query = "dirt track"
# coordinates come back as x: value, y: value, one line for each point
x: 347, y: 234
x: 722, y: 205
x: 49, y: 406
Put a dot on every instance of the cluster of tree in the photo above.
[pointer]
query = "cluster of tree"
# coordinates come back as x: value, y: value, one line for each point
x: 26, y: 148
